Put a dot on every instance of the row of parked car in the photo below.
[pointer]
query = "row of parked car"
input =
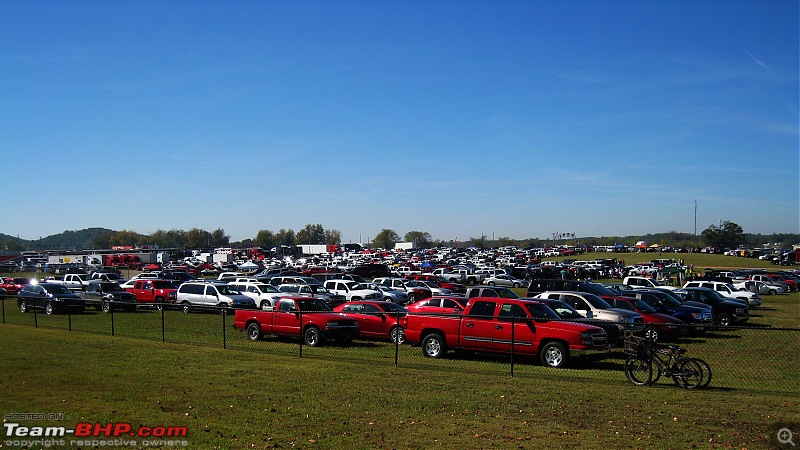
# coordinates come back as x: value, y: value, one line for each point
x: 637, y: 305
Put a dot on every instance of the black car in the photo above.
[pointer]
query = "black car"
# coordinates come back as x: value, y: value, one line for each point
x: 567, y: 312
x: 107, y: 295
x: 726, y: 311
x: 50, y: 298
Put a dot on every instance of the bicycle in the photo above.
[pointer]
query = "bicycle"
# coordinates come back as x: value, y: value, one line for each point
x: 647, y: 363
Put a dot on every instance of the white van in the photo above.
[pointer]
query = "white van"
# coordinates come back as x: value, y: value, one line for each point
x: 198, y: 294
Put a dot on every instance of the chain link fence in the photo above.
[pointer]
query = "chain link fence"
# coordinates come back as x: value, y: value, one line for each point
x: 742, y: 358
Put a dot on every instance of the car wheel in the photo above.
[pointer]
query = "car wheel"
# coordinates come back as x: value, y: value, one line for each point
x: 516, y: 285
x: 23, y: 306
x: 491, y: 283
x: 773, y: 292
x: 48, y: 308
x: 554, y: 354
x: 159, y: 306
x: 724, y: 320
x: 186, y: 308
x: 106, y: 307
x: 434, y: 346
x: 397, y: 335
x: 312, y: 337
x: 254, y: 332
x: 266, y: 305
x: 412, y: 298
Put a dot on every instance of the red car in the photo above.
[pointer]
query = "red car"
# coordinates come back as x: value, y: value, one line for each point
x: 439, y: 305
x: 665, y: 327
x: 376, y: 319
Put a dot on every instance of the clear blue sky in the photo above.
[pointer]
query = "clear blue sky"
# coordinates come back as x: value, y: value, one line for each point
x: 456, y: 118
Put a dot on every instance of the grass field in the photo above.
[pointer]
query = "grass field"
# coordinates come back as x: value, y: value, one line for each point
x: 261, y: 395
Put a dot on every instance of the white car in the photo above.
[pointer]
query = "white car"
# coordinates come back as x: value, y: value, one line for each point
x: 352, y: 290
x: 505, y: 280
x: 265, y: 295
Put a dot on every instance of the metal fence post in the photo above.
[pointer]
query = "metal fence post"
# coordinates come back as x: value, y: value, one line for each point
x: 513, y: 321
x: 224, y: 335
x: 301, y: 333
x: 163, y: 334
x: 4, y: 309
x: 397, y: 337
x: 35, y: 318
x: 111, y: 310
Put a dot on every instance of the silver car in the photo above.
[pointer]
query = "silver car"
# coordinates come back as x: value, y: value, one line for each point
x: 505, y: 280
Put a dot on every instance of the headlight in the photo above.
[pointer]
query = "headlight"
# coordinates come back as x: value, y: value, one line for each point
x: 697, y: 315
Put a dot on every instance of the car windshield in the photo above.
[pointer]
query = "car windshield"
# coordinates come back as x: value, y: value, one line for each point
x: 162, y: 285
x: 358, y: 286
x: 228, y: 290
x: 393, y: 308
x: 643, y: 307
x: 542, y: 312
x: 57, y: 289
x: 564, y: 310
x: 317, y: 289
x: 267, y: 288
x: 506, y: 293
x: 598, y: 289
x: 596, y: 301
x: 312, y: 305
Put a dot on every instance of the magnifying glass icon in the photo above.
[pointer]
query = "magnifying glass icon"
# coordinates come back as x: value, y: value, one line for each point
x: 785, y: 436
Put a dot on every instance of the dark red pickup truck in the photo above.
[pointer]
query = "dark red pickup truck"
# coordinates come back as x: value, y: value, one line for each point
x: 501, y: 325
x: 310, y: 319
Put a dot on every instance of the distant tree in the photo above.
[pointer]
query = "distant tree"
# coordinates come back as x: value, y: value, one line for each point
x: 386, y: 239
x: 506, y: 241
x: 219, y: 238
x: 102, y: 241
x: 197, y: 238
x: 421, y: 239
x: 265, y: 238
x: 479, y: 242
x: 285, y: 237
x: 727, y: 235
x: 124, y: 238
x: 311, y: 234
x: 333, y: 237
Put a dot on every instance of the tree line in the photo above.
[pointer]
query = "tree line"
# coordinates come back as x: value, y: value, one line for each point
x: 726, y: 235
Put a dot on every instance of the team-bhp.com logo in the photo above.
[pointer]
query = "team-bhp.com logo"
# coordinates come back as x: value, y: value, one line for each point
x: 112, y: 434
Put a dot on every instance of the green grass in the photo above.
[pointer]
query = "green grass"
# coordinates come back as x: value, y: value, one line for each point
x: 238, y: 399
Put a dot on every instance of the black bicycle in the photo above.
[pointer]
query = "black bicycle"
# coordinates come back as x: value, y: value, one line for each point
x: 647, y: 362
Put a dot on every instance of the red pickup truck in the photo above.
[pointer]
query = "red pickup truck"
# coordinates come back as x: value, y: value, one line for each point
x: 154, y: 292
x: 492, y: 324
x: 310, y: 319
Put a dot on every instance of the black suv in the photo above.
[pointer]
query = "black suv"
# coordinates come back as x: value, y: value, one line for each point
x: 50, y: 298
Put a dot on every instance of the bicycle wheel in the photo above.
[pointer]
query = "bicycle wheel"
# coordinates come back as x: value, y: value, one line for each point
x: 639, y: 371
x: 706, y: 371
x: 688, y: 375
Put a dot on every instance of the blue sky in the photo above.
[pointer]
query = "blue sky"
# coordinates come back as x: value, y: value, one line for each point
x: 502, y: 118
